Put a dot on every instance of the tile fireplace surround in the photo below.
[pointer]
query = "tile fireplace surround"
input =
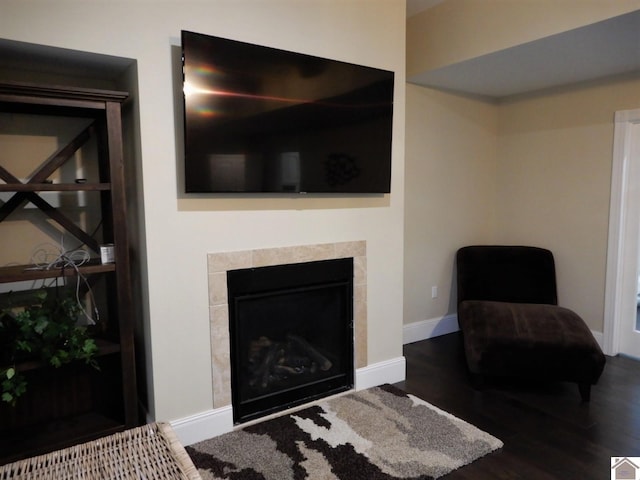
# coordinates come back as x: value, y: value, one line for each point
x: 219, y: 263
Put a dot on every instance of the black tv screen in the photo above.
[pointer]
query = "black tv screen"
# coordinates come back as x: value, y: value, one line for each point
x: 260, y: 119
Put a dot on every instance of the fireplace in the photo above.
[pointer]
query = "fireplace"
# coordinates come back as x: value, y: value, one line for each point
x: 220, y: 263
x: 291, y: 335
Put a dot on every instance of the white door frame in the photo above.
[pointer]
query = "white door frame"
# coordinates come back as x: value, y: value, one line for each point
x: 624, y: 232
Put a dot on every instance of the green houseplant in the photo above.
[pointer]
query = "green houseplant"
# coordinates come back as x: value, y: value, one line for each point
x: 45, y: 330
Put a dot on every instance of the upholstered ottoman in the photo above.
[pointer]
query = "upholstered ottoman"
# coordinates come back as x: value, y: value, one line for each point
x: 530, y: 340
x: 511, y: 323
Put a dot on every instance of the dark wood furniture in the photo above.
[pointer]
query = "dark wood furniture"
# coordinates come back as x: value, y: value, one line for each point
x: 74, y: 403
x: 511, y: 322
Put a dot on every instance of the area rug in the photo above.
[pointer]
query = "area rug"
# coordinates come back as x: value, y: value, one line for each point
x: 381, y: 433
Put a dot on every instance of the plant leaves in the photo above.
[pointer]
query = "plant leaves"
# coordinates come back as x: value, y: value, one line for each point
x: 23, y: 345
x: 89, y: 346
x: 46, y: 330
x: 41, y: 324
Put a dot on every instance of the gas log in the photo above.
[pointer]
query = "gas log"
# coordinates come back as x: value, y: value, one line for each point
x: 272, y: 362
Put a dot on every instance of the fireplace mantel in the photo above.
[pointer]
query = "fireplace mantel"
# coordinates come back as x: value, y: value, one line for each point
x: 219, y: 264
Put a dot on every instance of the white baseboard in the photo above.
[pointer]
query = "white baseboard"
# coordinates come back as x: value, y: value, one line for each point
x: 212, y: 423
x: 433, y: 327
x: 203, y: 425
x: 389, y: 371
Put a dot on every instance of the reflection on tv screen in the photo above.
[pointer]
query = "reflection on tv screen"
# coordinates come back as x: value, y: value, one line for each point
x: 259, y: 119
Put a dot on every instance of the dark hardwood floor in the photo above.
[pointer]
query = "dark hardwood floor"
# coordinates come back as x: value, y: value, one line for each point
x: 547, y: 432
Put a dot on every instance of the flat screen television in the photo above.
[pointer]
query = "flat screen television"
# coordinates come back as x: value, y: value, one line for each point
x: 260, y: 119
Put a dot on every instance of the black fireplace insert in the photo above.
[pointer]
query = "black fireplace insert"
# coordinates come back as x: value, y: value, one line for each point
x: 291, y: 330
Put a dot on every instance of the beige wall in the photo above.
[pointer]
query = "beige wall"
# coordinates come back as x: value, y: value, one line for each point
x: 450, y: 192
x: 180, y: 233
x: 531, y: 170
x: 554, y: 179
x: 540, y: 168
x: 458, y: 30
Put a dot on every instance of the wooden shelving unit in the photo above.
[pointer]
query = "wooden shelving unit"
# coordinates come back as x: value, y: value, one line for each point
x: 75, y: 403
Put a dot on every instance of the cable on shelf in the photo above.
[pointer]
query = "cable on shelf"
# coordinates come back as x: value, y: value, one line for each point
x: 43, y: 259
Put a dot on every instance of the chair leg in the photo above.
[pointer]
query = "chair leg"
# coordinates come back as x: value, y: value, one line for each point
x: 585, y: 391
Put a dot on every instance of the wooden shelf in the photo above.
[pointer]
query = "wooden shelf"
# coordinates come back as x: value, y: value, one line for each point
x: 73, y: 403
x: 54, y: 187
x: 22, y: 92
x: 105, y: 347
x: 19, y: 273
x: 57, y: 99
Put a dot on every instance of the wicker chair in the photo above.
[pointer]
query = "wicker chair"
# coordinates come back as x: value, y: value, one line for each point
x: 150, y: 452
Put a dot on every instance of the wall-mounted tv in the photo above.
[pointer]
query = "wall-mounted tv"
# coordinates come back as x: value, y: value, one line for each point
x: 260, y: 119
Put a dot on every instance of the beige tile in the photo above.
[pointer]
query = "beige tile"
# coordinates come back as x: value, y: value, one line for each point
x: 221, y: 262
x: 220, y: 324
x: 360, y: 321
x: 359, y: 270
x: 222, y: 390
x: 220, y: 356
x: 273, y: 256
x: 351, y: 249
x: 313, y: 253
x: 218, y: 294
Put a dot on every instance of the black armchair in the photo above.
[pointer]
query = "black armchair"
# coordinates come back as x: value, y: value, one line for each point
x: 511, y: 322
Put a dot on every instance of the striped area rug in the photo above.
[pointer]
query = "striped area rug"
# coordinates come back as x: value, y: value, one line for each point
x: 381, y: 433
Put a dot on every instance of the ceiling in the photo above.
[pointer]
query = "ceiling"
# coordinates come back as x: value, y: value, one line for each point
x: 606, y: 48
x: 610, y: 47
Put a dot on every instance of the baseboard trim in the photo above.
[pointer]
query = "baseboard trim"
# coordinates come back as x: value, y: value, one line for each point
x: 389, y: 371
x: 201, y: 426
x: 433, y: 327
x: 212, y: 423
